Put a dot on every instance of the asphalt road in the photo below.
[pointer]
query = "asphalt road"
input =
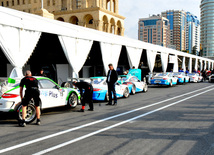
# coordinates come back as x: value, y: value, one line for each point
x: 164, y: 121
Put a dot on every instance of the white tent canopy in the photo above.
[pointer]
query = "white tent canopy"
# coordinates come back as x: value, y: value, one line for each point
x: 110, y: 54
x: 164, y: 60
x: 134, y: 55
x: 76, y: 51
x: 25, y: 30
x: 151, y: 56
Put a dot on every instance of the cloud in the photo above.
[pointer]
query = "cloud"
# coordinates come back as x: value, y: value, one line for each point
x: 135, y: 9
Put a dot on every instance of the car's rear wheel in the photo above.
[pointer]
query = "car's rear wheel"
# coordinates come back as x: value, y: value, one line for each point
x: 30, y: 113
x: 107, y: 97
x: 145, y: 88
x: 72, y: 100
x: 133, y: 90
x: 126, y: 93
x: 170, y: 83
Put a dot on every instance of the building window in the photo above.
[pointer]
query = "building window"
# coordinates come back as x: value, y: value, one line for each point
x: 13, y: 3
x: 54, y: 2
x: 18, y: 2
x: 29, y: 1
x: 48, y: 3
x: 23, y: 1
x: 7, y: 3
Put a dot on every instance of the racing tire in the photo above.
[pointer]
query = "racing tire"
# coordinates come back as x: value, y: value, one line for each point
x: 170, y: 84
x: 126, y: 93
x: 66, y: 85
x: 107, y: 97
x: 133, y: 90
x: 30, y: 113
x: 145, y: 88
x: 72, y: 100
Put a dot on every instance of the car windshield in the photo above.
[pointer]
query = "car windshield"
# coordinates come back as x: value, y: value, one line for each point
x: 122, y: 80
x: 160, y: 74
x: 97, y: 81
x: 191, y: 74
x: 176, y: 74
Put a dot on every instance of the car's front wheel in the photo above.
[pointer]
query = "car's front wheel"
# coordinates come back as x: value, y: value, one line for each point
x: 133, y: 90
x: 126, y: 93
x: 145, y: 89
x: 72, y: 100
x: 30, y: 113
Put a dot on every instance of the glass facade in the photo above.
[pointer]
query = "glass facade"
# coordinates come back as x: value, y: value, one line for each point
x: 207, y: 27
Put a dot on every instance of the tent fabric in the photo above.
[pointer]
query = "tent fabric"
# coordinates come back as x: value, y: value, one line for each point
x: 184, y: 64
x: 22, y: 24
x: 196, y: 64
x: 23, y: 43
x: 110, y: 54
x: 76, y: 51
x: 134, y: 56
x: 208, y: 65
x: 205, y: 65
x: 190, y: 65
x: 175, y: 67
x: 164, y: 61
x: 151, y: 57
x: 200, y: 64
x: 16, y: 72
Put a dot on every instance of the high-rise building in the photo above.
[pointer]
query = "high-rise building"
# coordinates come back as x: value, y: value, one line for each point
x: 155, y: 30
x: 101, y: 15
x: 207, y: 27
x: 192, y: 33
x: 177, y: 20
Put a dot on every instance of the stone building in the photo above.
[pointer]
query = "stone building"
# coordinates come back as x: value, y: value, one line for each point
x: 101, y: 15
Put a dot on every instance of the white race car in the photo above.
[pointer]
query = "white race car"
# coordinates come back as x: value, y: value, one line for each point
x: 100, y: 91
x: 51, y: 94
x: 182, y: 77
x: 211, y: 78
x: 138, y: 86
x: 195, y: 77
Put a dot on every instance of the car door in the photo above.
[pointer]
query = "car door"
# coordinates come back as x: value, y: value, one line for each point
x: 139, y: 85
x: 49, y: 94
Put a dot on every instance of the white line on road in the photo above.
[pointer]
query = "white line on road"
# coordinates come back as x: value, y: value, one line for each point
x: 92, y: 123
x: 115, y: 125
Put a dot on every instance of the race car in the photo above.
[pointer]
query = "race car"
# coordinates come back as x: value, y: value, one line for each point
x: 181, y: 76
x: 51, y: 94
x: 195, y: 77
x: 136, y: 84
x: 211, y: 78
x: 164, y: 79
x: 100, y: 91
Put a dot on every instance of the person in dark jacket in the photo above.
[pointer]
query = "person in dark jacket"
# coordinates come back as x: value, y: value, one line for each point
x: 86, y: 97
x: 111, y: 80
x: 32, y: 91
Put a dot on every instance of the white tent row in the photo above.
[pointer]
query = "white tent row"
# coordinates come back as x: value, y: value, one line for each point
x: 20, y: 32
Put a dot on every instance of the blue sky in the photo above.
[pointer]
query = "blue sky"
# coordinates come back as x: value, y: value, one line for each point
x: 135, y: 9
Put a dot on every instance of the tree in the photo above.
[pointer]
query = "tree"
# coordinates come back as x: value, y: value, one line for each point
x: 194, y: 50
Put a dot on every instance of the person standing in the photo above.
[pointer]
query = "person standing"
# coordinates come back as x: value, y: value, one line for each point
x: 41, y: 73
x: 86, y: 97
x: 111, y: 80
x: 32, y: 91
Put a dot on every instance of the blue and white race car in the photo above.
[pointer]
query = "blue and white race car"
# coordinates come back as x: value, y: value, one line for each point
x: 164, y: 79
x: 182, y: 77
x: 51, y: 94
x: 137, y: 85
x: 100, y: 87
x: 195, y: 77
